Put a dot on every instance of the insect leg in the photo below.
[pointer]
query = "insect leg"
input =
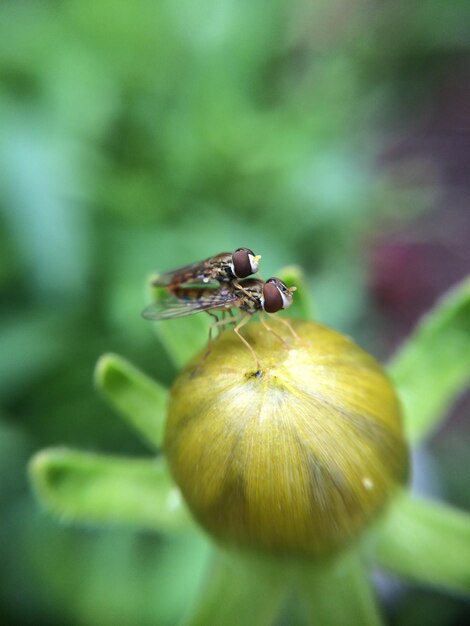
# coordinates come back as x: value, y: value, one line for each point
x: 225, y: 321
x: 243, y: 320
x: 217, y: 324
x: 271, y: 330
x: 214, y: 316
x: 287, y: 323
x: 245, y: 291
x: 224, y: 313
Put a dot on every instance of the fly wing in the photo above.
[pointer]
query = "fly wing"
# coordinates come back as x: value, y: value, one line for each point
x: 194, y: 273
x: 197, y: 300
x: 201, y: 272
x: 188, y: 273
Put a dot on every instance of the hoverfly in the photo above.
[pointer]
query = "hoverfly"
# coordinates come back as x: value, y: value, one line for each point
x: 250, y: 296
x: 223, y: 268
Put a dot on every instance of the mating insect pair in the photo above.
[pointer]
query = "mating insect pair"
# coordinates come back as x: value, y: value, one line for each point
x: 186, y: 296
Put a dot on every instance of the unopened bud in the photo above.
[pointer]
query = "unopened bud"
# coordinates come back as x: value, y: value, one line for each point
x: 296, y: 459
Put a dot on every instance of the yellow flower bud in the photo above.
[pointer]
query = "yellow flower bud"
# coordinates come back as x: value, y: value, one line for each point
x: 295, y: 461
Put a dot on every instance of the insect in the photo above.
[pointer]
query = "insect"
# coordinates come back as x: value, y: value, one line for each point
x: 223, y: 268
x: 250, y: 296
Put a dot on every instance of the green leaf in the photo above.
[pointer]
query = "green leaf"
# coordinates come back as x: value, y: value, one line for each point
x: 182, y: 337
x: 302, y: 306
x: 42, y: 336
x: 426, y: 542
x: 239, y: 590
x: 331, y: 591
x: 433, y: 367
x: 97, y: 489
x: 138, y: 398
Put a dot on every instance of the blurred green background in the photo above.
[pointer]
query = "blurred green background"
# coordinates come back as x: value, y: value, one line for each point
x: 143, y: 135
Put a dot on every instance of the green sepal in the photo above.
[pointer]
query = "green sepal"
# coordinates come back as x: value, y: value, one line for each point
x: 426, y: 542
x: 433, y: 366
x: 239, y: 589
x: 95, y: 489
x: 338, y: 592
x: 302, y: 305
x: 138, y: 398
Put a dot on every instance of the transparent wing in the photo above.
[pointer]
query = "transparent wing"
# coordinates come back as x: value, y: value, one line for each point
x: 172, y: 307
x: 185, y: 274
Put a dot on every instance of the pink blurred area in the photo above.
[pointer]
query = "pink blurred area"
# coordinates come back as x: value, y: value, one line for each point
x: 413, y: 265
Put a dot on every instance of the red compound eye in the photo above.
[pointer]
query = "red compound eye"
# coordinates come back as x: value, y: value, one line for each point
x: 241, y: 262
x: 273, y: 301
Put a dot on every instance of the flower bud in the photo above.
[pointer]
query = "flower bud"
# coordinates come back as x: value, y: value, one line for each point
x: 296, y: 459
